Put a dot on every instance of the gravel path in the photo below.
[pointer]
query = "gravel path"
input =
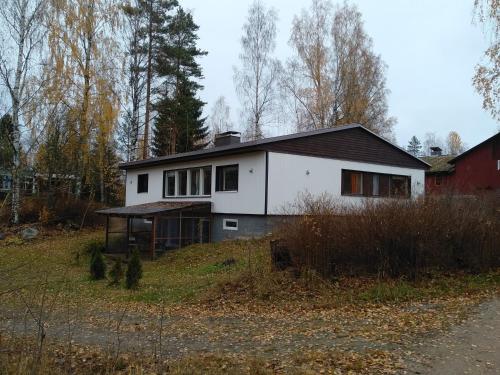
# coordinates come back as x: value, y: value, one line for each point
x: 469, y: 348
x: 472, y: 347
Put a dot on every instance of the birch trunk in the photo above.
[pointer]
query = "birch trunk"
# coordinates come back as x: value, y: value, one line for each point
x: 16, y: 134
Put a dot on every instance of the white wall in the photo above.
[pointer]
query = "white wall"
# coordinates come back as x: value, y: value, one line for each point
x: 288, y: 177
x: 251, y: 185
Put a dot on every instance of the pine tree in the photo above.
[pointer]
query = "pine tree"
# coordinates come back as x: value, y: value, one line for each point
x: 134, y: 271
x: 179, y: 126
x: 414, y: 146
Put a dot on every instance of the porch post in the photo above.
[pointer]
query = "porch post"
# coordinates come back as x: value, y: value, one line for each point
x: 128, y: 237
x: 153, y: 237
x: 180, y: 229
x: 107, y: 233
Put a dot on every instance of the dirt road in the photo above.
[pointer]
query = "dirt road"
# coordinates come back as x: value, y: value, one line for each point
x: 469, y: 348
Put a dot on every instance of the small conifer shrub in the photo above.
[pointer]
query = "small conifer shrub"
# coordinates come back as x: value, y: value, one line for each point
x: 116, y: 272
x: 97, y: 264
x: 134, y: 271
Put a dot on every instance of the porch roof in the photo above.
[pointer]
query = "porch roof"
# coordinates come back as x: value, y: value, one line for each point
x: 156, y: 208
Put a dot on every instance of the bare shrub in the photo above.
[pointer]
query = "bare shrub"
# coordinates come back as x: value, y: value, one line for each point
x: 392, y: 237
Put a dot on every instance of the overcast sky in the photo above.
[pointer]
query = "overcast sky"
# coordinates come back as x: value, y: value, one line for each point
x: 430, y: 47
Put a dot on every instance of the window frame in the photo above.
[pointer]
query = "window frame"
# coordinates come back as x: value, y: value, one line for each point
x: 219, y: 186
x: 226, y: 227
x: 140, y: 187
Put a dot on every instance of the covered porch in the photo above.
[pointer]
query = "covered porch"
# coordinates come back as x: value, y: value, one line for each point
x: 154, y: 228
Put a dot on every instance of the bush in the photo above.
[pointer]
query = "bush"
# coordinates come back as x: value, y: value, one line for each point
x: 97, y: 264
x: 393, y: 237
x: 134, y: 271
x: 116, y: 272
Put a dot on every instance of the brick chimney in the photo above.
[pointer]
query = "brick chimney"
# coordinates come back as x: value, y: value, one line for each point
x: 227, y: 138
x: 436, y: 151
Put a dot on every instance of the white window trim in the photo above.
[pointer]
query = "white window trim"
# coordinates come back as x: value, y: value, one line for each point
x: 498, y: 165
x: 225, y: 227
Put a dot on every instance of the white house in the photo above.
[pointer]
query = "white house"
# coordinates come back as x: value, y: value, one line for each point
x: 237, y: 189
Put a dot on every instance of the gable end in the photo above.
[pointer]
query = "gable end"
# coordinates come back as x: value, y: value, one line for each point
x: 356, y: 144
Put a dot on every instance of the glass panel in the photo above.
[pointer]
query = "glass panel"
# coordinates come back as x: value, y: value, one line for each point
x: 195, y: 182
x: 230, y: 176
x: 170, y: 184
x: 182, y: 183
x: 375, y: 189
x: 399, y: 186
x: 142, y: 183
x: 207, y: 181
x: 356, y: 180
x: 383, y: 185
x: 367, y: 180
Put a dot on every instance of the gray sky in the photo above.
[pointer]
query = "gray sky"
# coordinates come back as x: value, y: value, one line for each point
x: 430, y: 47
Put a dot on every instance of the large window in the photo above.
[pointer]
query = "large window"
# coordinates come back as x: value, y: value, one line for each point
x: 375, y: 184
x: 227, y: 178
x: 142, y: 183
x: 187, y: 182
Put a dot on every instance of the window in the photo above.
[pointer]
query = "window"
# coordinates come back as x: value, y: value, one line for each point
x: 187, y: 182
x: 207, y: 180
x: 142, y: 183
x: 227, y: 178
x: 5, y: 182
x: 399, y: 186
x: 230, y: 224
x: 170, y: 183
x: 438, y: 180
x: 195, y: 182
x: 352, y: 182
x: 375, y: 184
x: 182, y: 182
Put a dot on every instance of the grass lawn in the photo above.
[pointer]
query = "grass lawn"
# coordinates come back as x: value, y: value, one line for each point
x: 197, y: 274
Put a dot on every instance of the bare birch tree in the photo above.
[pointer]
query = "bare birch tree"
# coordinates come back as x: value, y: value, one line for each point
x: 487, y: 77
x: 256, y: 79
x: 135, y: 30
x: 335, y: 78
x: 21, y: 24
x: 219, y: 120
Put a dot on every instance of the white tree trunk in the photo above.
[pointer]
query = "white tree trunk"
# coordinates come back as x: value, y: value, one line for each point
x: 16, y: 134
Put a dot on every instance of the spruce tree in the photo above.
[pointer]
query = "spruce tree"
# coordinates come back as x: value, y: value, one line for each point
x: 179, y: 126
x: 414, y: 146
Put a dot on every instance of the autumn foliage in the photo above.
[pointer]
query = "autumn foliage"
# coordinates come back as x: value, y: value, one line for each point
x: 393, y: 238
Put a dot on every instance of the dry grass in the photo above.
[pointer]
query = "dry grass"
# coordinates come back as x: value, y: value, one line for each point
x: 394, y: 238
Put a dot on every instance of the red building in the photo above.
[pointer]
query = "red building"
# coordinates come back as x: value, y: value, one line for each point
x: 475, y: 171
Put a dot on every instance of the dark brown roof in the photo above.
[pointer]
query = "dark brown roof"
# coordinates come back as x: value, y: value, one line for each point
x: 476, y: 147
x: 154, y: 208
x: 439, y: 164
x: 349, y: 142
